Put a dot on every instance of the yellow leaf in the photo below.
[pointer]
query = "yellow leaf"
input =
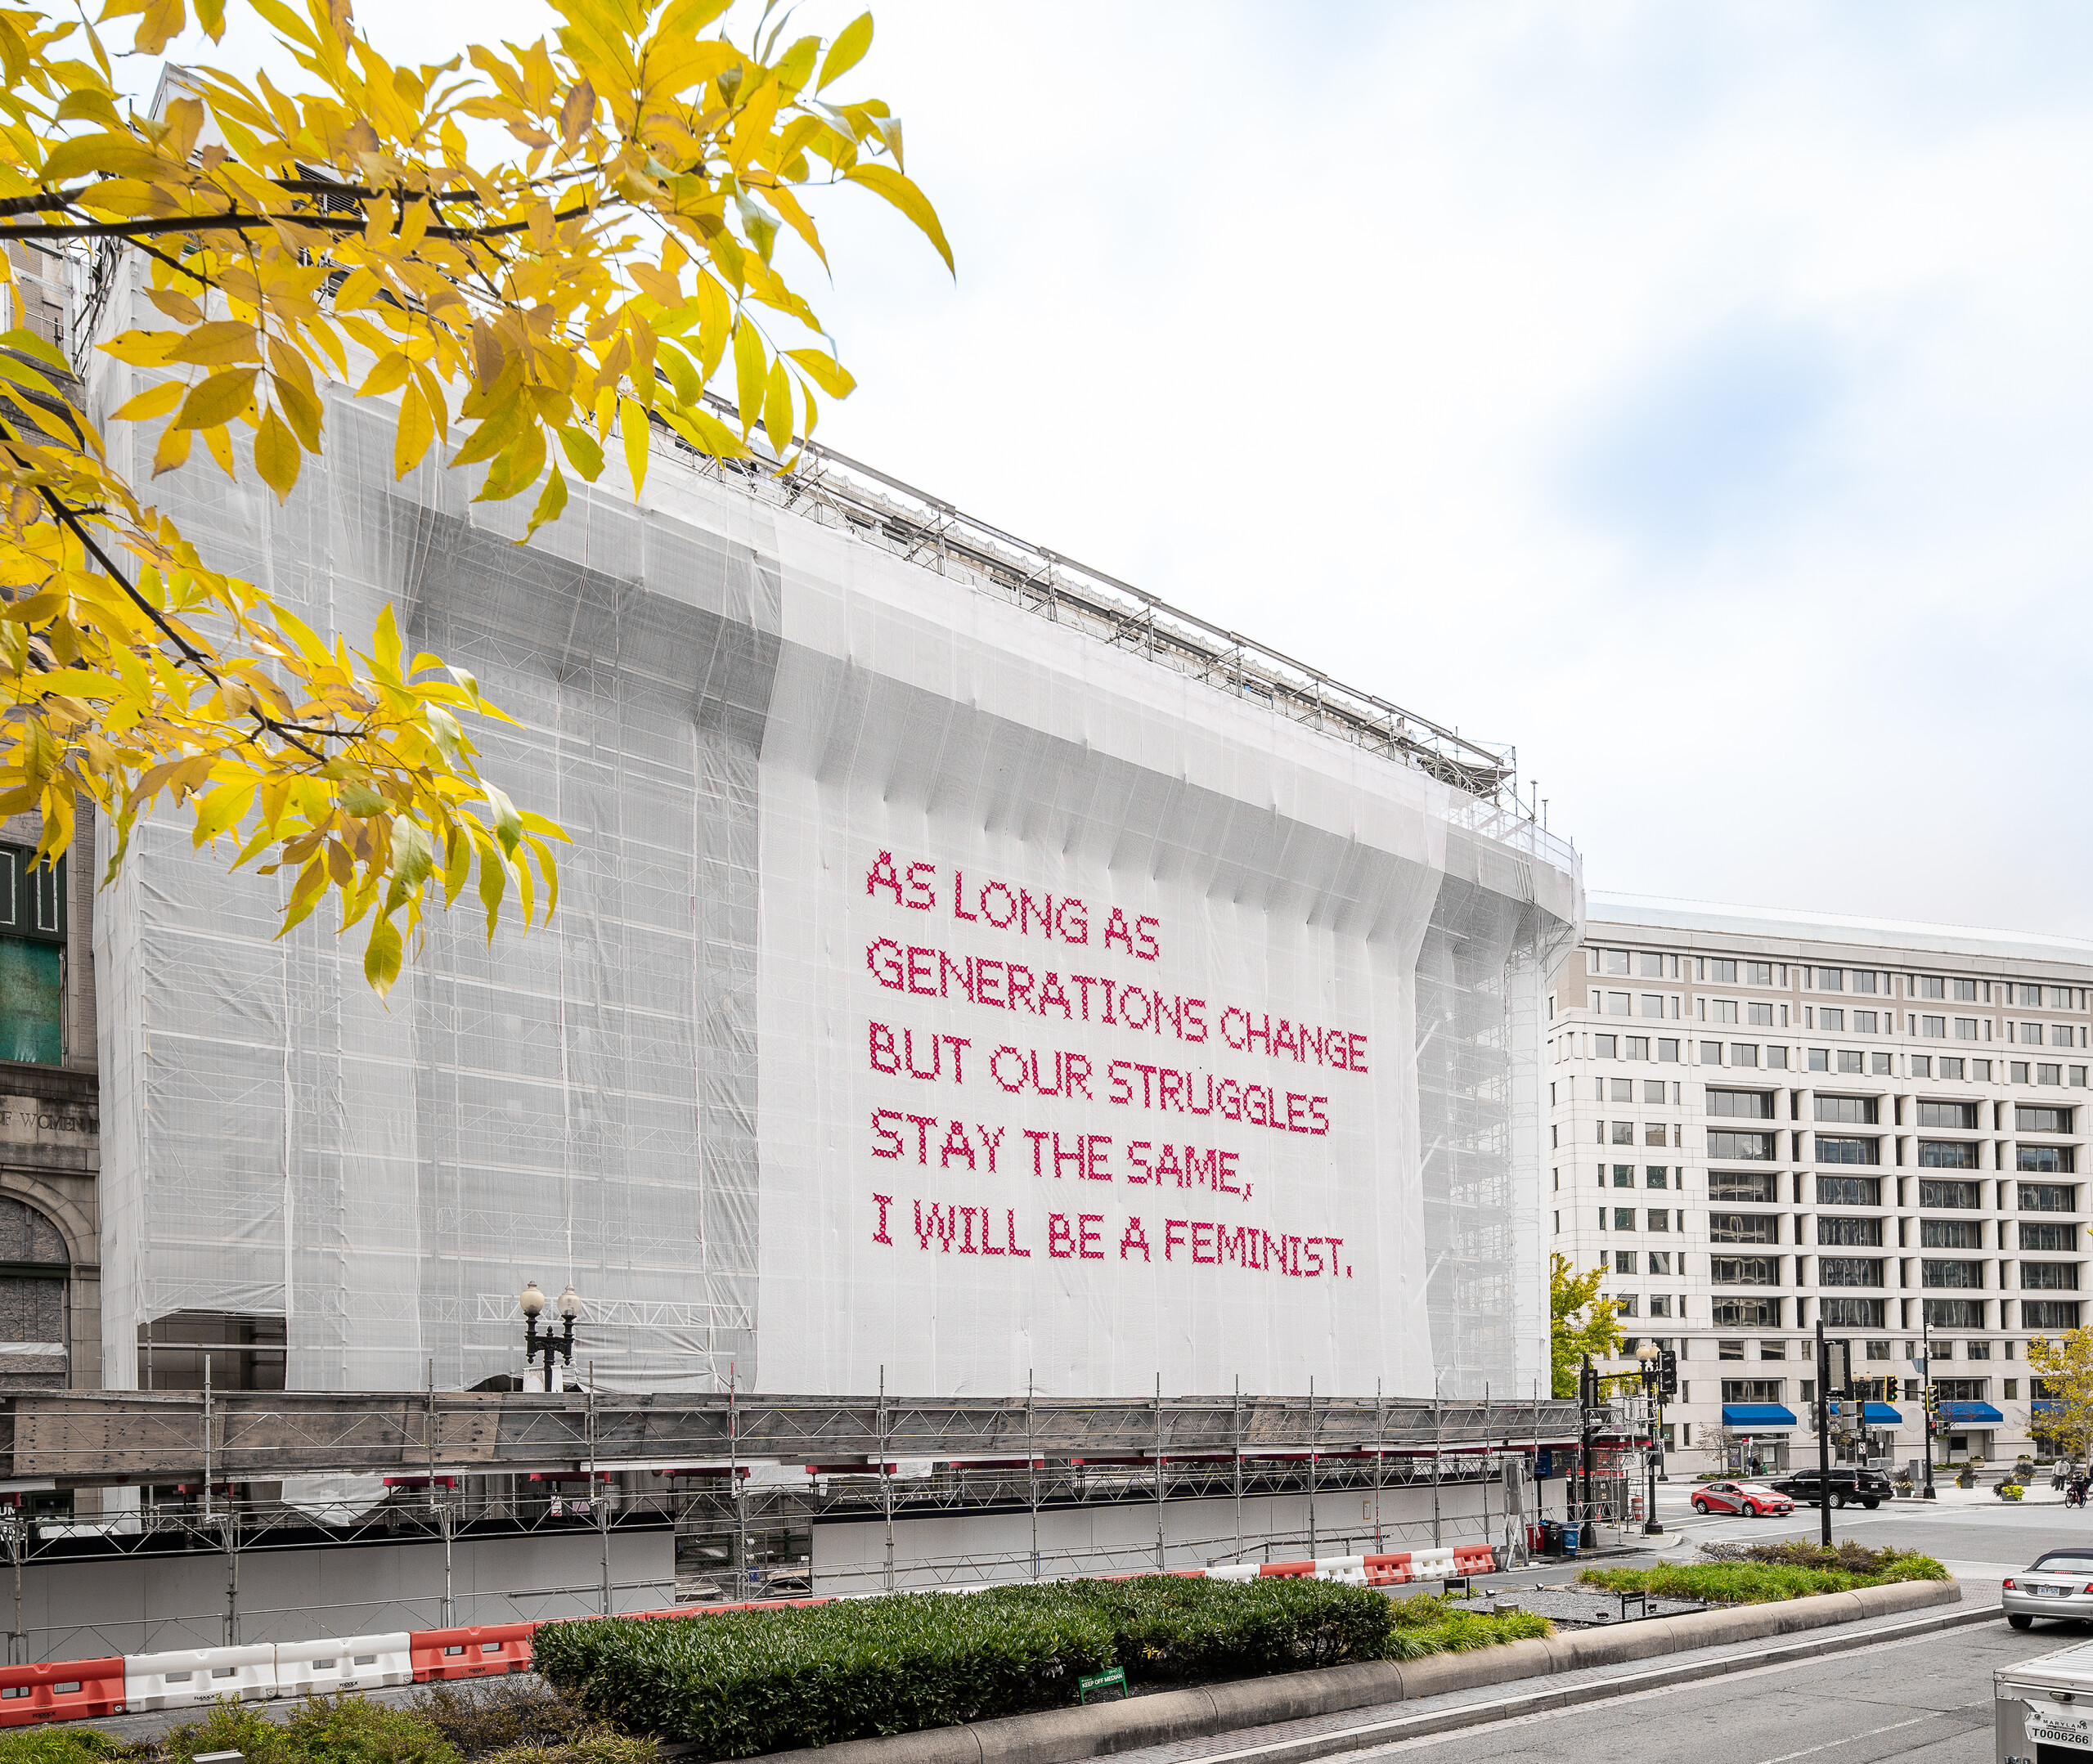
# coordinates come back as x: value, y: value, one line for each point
x: 155, y: 400
x: 633, y: 423
x: 389, y: 375
x: 216, y: 344
x: 777, y: 409
x: 277, y: 454
x: 846, y: 51
x: 551, y: 501
x: 143, y: 348
x: 173, y: 450
x: 220, y: 444
x: 749, y: 372
x: 911, y: 201
x: 381, y: 955
x: 415, y: 433
x: 218, y: 400
x: 825, y: 371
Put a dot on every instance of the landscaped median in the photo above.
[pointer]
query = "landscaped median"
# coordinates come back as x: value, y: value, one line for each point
x: 1765, y: 1573
x: 754, y: 1681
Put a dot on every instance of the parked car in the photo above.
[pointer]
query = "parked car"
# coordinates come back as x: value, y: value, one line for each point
x: 2059, y: 1585
x: 1871, y: 1487
x: 1752, y: 1497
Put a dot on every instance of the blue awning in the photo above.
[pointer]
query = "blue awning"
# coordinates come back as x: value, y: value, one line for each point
x: 1756, y: 1415
x: 1880, y: 1415
x: 1964, y: 1414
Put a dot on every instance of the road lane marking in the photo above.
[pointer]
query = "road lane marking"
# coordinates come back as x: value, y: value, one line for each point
x: 1832, y: 1745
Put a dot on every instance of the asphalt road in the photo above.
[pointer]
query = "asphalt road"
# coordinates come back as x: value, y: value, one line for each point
x: 1927, y: 1700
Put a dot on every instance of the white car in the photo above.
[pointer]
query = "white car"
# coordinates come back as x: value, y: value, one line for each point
x: 2058, y: 1585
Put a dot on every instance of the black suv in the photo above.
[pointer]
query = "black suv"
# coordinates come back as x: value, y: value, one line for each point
x: 1871, y: 1487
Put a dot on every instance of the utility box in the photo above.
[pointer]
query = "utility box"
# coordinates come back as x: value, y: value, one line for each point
x: 2042, y: 1709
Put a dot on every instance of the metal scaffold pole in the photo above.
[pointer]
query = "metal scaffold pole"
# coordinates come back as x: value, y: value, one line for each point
x: 1380, y: 1435
x: 886, y: 1484
x: 1160, y: 1562
x: 1311, y: 1468
x: 1235, y: 1414
x: 1031, y: 1474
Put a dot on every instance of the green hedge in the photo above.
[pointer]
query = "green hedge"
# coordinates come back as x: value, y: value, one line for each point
x: 740, y: 1683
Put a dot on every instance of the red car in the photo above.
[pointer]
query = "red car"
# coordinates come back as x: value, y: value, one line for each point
x: 1752, y: 1497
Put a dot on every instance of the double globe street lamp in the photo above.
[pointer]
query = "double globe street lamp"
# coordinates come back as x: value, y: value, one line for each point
x: 555, y: 1348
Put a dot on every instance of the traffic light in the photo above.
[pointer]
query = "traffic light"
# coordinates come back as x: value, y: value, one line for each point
x: 1588, y: 1393
x: 1668, y: 1375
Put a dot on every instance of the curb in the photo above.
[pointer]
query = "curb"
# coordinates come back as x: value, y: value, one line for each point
x: 1063, y: 1736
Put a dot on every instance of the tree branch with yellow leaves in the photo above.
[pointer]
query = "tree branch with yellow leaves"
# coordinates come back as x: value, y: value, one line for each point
x: 615, y: 262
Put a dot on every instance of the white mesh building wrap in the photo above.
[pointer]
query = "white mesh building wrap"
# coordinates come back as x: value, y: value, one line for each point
x: 941, y: 990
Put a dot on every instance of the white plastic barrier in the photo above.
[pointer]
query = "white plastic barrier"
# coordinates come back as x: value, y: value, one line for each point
x: 1431, y: 1565
x: 352, y: 1662
x: 1346, y: 1570
x: 199, y: 1675
x: 1234, y: 1571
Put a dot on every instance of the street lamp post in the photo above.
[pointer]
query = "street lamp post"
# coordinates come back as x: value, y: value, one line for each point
x: 1926, y: 1372
x: 554, y: 1347
x: 1646, y: 1351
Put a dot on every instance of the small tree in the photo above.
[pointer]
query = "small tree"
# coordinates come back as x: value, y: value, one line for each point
x: 1582, y: 1323
x: 2065, y: 1368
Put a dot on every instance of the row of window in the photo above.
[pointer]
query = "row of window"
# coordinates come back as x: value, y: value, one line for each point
x: 1667, y: 1050
x: 1738, y: 1311
x: 1865, y: 1111
x: 1737, y: 1146
x: 1867, y: 1270
x: 1725, y: 971
x: 1730, y: 1347
x: 1945, y: 1390
x: 1867, y: 1233
x: 1935, y: 1193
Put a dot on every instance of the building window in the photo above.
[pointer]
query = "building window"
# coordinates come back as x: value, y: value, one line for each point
x: 2049, y: 1277
x: 1660, y: 1304
x: 1882, y: 1065
x: 1966, y: 991
x: 1967, y: 1276
x: 1603, y: 1046
x: 1745, y: 1147
x: 1958, y: 1114
x: 1653, y: 1090
x: 2047, y: 1197
x: 1829, y: 1019
x: 1851, y: 1111
x: 1857, y: 1232
x: 1762, y: 1185
x: 1750, y: 1105
x: 1849, y: 1191
x: 1743, y: 1314
x: 1954, y: 1313
x: 1616, y: 961
x: 32, y: 959
x: 1743, y: 1053
x: 2017, y: 1071
x: 1744, y: 1270
x: 1759, y: 1015
x: 1668, y: 1051
x: 1720, y: 1011
x: 1946, y: 1155
x: 1660, y: 1262
x: 1831, y: 980
x: 1864, y: 1022
x: 1935, y: 1027
x: 2046, y: 1314
x: 2048, y: 1237
x: 2030, y: 1118
x: 1624, y: 1089
x: 1624, y: 1218
x: 1660, y: 1221
x: 1922, y: 1065
x: 1960, y: 1389
x: 1623, y: 1175
x: 1863, y: 980
x: 1656, y: 1176
x: 1751, y: 1389
x: 1624, y: 1304
x: 1650, y: 965
x: 1930, y: 986
x: 1777, y: 1057
x: 1852, y: 1313
x: 1758, y: 973
x: 1743, y: 1227
x: 2049, y: 1074
x: 1820, y: 1059
x: 2060, y: 1034
x: 1624, y: 1262
x: 1624, y: 1133
x: 1951, y: 1234
x: 1848, y: 1271
x: 1830, y: 1149
x: 1722, y: 971
x: 2047, y: 1160
x: 1961, y: 1196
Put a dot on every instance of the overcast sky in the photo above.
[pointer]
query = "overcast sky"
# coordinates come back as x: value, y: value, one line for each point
x: 1695, y: 396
